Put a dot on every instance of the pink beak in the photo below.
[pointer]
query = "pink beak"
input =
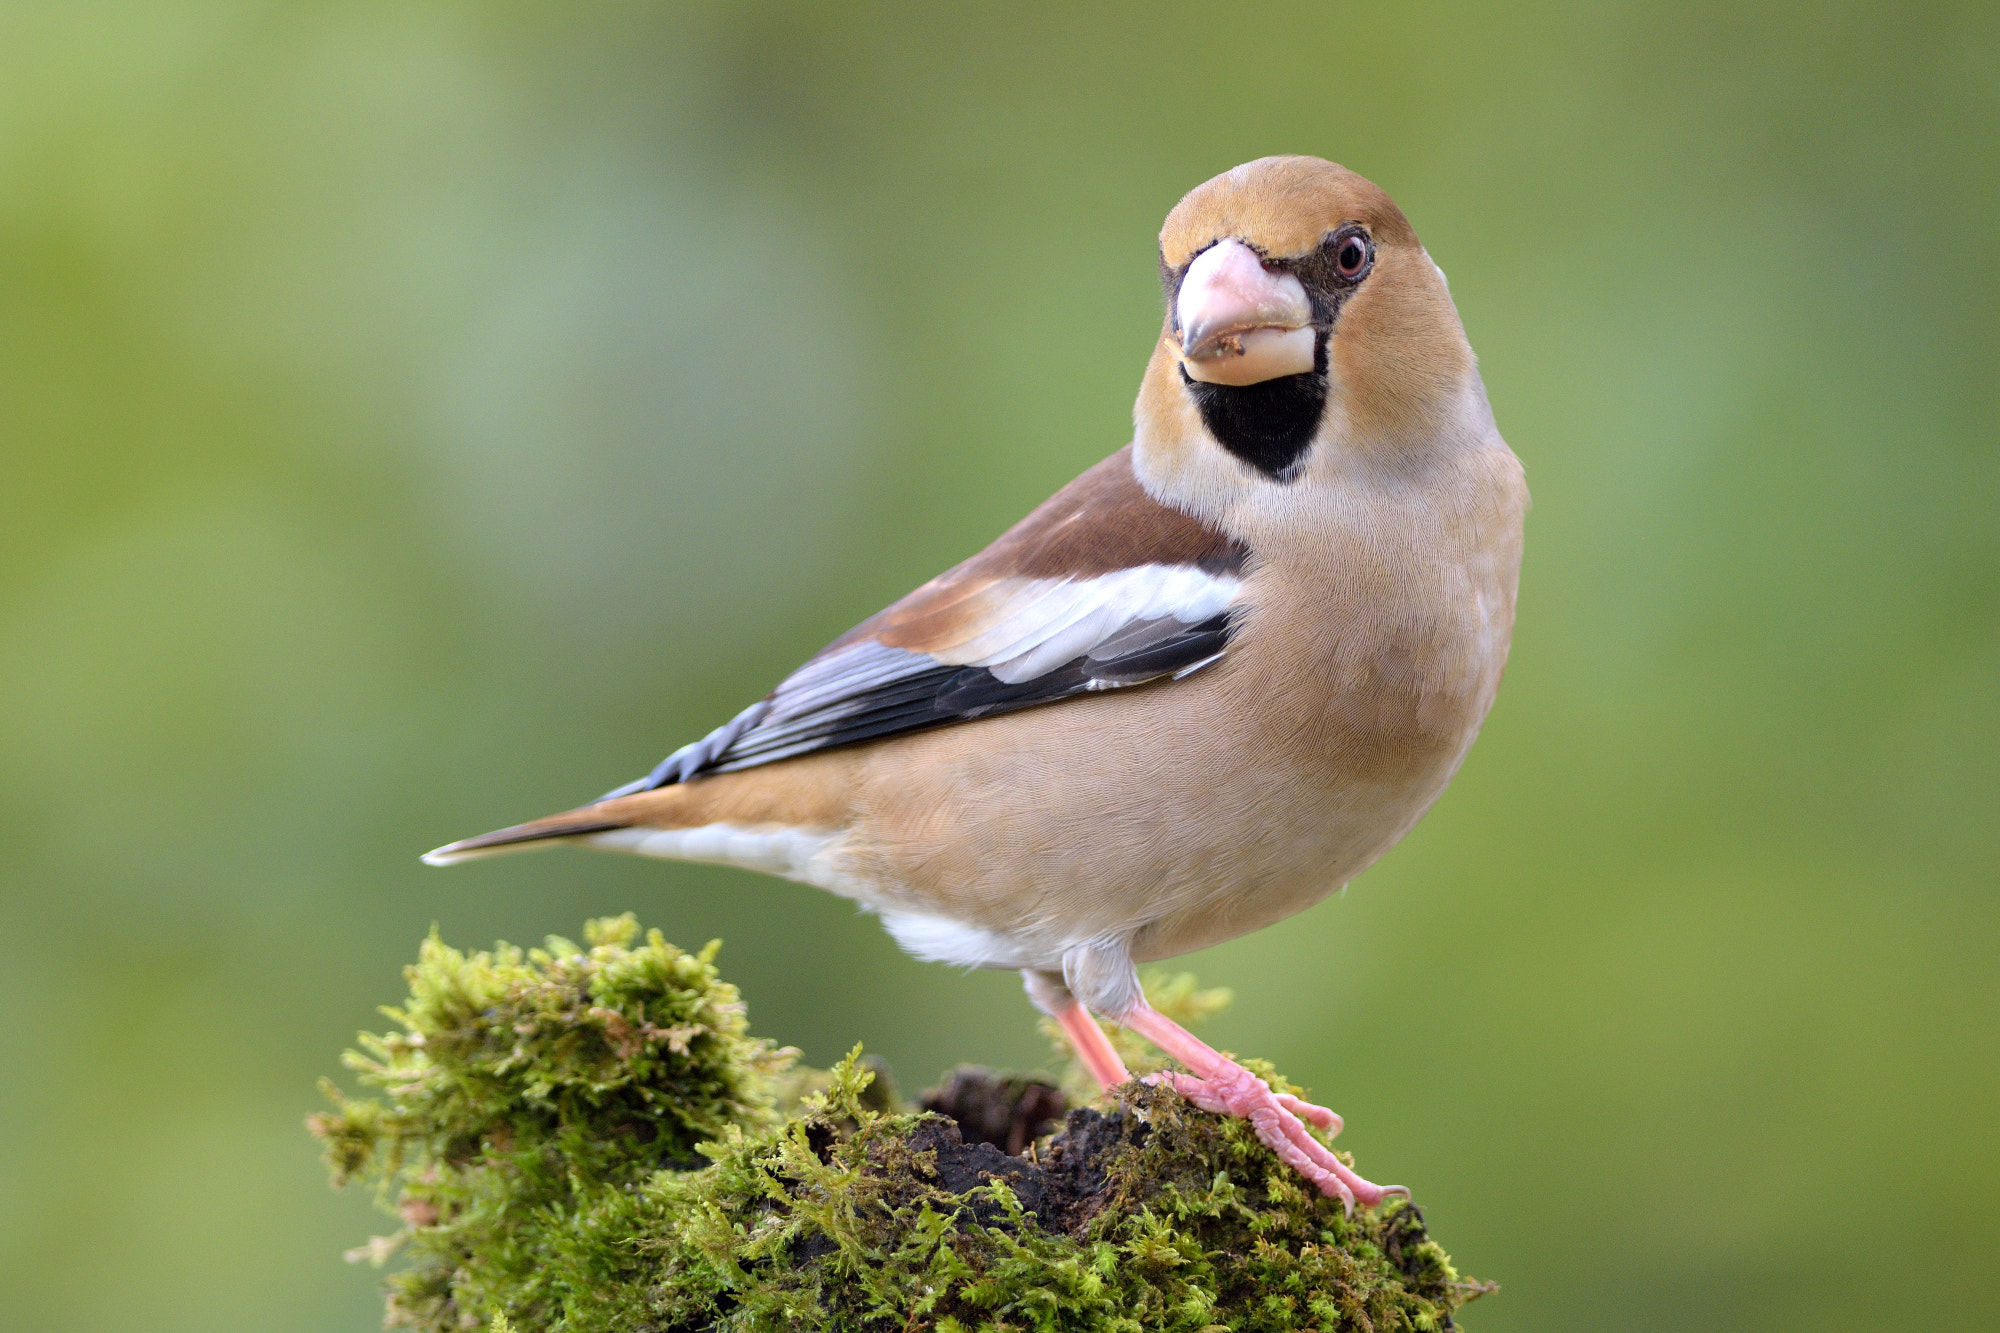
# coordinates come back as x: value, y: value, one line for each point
x: 1239, y: 322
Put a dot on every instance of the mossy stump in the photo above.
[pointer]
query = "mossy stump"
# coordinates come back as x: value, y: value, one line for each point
x: 585, y: 1139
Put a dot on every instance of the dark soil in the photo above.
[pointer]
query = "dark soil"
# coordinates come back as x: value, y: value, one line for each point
x: 1064, y: 1185
x: 1009, y: 1111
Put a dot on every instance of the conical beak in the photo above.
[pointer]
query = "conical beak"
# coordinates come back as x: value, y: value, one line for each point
x: 1240, y: 323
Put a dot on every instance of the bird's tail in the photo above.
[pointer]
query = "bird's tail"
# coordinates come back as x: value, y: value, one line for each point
x: 531, y: 836
x: 755, y: 818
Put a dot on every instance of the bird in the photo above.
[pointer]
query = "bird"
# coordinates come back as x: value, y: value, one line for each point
x: 1198, y: 690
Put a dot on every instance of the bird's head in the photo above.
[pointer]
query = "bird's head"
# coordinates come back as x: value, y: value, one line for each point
x: 1304, y: 322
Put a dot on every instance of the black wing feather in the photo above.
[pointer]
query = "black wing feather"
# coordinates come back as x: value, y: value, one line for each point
x: 895, y: 691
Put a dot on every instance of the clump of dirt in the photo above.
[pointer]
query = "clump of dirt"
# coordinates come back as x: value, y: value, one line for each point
x: 1009, y: 1111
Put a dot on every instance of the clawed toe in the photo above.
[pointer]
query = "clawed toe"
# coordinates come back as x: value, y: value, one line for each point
x: 1226, y: 1088
x: 1279, y: 1119
x: 1319, y: 1115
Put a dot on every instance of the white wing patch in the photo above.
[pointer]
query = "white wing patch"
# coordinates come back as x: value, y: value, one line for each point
x: 1052, y: 621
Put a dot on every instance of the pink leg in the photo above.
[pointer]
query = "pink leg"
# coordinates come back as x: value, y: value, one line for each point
x: 1221, y: 1085
x: 1092, y: 1047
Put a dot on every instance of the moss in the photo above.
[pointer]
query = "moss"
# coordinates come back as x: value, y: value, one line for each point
x: 589, y: 1139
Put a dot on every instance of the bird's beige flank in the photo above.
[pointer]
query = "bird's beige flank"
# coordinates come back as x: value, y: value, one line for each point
x: 1198, y: 690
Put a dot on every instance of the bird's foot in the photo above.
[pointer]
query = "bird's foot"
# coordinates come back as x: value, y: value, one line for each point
x: 1279, y: 1119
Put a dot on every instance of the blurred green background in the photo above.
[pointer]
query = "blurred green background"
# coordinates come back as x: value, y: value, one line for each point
x: 419, y: 416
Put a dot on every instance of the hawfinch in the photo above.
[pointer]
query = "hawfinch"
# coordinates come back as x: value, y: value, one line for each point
x: 1201, y: 688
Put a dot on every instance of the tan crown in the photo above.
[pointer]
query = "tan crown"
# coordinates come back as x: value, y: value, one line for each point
x: 1283, y: 206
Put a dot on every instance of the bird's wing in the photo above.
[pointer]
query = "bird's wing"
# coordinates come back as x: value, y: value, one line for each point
x: 1100, y: 588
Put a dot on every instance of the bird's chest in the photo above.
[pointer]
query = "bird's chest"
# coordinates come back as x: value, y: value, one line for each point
x: 1379, y: 669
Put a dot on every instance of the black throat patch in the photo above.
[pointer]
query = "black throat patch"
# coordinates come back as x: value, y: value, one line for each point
x: 1269, y: 425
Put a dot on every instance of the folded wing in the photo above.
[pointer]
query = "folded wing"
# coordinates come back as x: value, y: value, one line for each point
x: 1100, y: 588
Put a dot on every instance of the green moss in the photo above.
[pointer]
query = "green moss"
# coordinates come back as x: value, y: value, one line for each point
x: 588, y: 1139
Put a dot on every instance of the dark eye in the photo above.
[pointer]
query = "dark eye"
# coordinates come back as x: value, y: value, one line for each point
x: 1350, y: 257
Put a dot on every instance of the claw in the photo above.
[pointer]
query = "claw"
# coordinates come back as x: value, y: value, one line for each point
x: 1223, y: 1087
x: 1234, y: 1090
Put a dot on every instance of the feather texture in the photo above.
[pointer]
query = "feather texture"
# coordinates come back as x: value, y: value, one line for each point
x: 1101, y: 588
